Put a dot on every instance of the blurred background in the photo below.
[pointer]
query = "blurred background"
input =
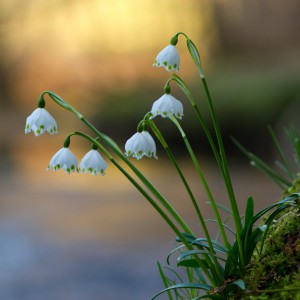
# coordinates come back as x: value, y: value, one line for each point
x: 83, y: 237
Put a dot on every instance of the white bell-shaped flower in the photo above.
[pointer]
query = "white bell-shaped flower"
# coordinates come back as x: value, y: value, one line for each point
x: 93, y: 162
x: 168, y: 58
x: 40, y: 121
x: 64, y: 159
x: 166, y: 106
x: 140, y: 144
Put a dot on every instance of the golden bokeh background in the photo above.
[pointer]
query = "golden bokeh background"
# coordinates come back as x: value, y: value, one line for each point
x: 84, y: 237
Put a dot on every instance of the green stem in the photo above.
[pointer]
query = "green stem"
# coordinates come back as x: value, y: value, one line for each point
x: 218, y: 158
x: 236, y: 216
x: 205, y: 184
x: 145, y: 181
x: 189, y: 191
x: 232, y: 199
x: 281, y: 154
x: 150, y: 200
x: 119, y: 153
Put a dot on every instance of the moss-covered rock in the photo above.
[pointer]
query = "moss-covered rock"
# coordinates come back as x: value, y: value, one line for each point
x: 278, y: 266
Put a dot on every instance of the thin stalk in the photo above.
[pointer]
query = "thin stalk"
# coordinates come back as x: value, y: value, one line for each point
x: 150, y: 200
x: 236, y: 215
x: 218, y: 156
x: 189, y: 191
x: 232, y: 199
x: 281, y: 154
x: 205, y: 184
x: 119, y: 153
x: 145, y: 181
x: 260, y: 164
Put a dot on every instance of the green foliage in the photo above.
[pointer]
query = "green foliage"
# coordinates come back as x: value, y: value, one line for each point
x: 277, y: 267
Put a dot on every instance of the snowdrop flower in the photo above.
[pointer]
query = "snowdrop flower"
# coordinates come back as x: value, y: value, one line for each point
x: 168, y: 58
x: 93, y: 162
x: 64, y: 159
x: 166, y: 106
x: 40, y: 121
x: 140, y: 144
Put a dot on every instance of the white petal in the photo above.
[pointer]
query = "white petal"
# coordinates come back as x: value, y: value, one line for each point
x: 151, y: 144
x: 166, y: 106
x: 63, y: 159
x: 93, y: 162
x: 40, y: 121
x: 168, y: 58
x: 140, y: 144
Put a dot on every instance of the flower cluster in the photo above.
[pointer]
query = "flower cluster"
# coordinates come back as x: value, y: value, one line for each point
x: 39, y: 122
x: 92, y: 162
x: 139, y: 145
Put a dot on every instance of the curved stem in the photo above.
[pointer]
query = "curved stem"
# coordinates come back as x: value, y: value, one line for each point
x: 109, y: 142
x: 218, y: 157
x: 232, y: 199
x: 149, y: 199
x: 202, y: 178
x: 236, y: 216
x: 189, y: 191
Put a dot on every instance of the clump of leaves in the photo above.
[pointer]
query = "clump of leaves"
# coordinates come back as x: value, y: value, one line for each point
x: 270, y: 250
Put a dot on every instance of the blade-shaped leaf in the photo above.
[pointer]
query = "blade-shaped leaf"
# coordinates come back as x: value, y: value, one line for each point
x: 198, y: 286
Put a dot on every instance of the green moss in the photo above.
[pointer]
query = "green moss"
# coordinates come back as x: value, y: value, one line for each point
x: 278, y: 266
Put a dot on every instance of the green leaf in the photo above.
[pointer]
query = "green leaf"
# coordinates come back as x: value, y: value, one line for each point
x: 172, y: 252
x: 194, y: 52
x: 198, y: 286
x: 193, y: 252
x: 191, y: 263
x: 291, y: 200
x: 285, y: 165
x: 260, y: 164
x: 164, y: 279
x: 249, y: 212
x: 182, y: 84
x: 222, y: 207
x: 189, y: 237
x: 111, y: 141
x: 224, y: 225
x: 240, y: 283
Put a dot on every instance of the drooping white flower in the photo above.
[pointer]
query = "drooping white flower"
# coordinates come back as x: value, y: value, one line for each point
x: 140, y: 144
x: 168, y: 58
x: 93, y: 162
x: 64, y: 159
x: 166, y: 106
x: 40, y: 121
